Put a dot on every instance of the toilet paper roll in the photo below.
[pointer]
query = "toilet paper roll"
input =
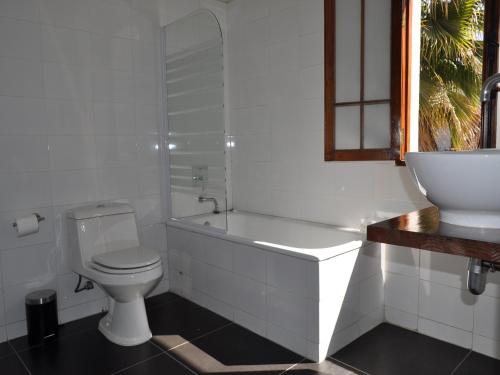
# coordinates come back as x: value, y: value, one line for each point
x: 26, y: 225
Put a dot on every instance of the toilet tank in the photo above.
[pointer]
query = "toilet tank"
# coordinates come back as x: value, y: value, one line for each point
x: 98, y: 228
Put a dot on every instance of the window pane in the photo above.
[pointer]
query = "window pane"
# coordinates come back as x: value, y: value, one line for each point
x: 347, y: 50
x: 377, y: 49
x: 450, y: 74
x: 347, y: 131
x: 377, y: 126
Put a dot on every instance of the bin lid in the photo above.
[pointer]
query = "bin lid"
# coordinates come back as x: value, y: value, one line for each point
x: 41, y: 297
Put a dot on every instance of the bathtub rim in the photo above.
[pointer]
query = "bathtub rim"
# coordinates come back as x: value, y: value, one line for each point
x: 301, y: 253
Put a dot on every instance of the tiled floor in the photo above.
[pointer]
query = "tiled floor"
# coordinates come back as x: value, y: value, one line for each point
x: 189, y: 339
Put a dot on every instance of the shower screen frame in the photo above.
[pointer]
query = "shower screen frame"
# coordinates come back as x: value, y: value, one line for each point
x: 166, y: 133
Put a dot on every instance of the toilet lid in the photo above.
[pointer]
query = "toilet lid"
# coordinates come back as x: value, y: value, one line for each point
x: 133, y: 257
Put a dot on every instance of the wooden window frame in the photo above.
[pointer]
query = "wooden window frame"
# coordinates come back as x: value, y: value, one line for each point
x: 400, y: 85
x: 490, y: 58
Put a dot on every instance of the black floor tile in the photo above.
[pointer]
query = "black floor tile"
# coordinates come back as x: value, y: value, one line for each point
x: 84, y: 353
x: 234, y: 349
x: 477, y: 363
x: 159, y: 300
x: 11, y: 365
x: 179, y: 321
x: 162, y: 364
x: 65, y: 330
x: 392, y: 350
x: 5, y: 349
x: 327, y: 367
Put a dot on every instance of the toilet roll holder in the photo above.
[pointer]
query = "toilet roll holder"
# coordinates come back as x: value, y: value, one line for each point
x: 38, y: 217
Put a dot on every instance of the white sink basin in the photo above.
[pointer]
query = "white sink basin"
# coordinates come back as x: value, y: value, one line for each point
x: 464, y: 185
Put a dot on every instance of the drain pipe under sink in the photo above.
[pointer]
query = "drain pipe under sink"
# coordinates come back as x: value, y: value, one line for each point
x: 477, y: 274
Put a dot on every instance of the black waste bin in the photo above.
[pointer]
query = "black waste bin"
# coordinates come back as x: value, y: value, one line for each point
x: 41, y: 315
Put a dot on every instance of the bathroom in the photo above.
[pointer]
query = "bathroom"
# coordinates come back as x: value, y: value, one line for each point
x: 203, y: 124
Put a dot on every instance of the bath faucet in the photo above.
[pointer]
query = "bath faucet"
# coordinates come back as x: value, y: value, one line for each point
x: 489, y: 86
x: 202, y: 199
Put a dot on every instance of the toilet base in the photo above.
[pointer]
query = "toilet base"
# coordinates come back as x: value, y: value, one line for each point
x: 126, y: 323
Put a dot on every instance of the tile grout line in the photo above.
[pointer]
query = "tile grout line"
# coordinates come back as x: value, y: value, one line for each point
x: 19, y: 358
x: 461, y: 362
x: 190, y: 341
x: 212, y: 331
x: 291, y: 367
x: 294, y: 365
x: 181, y: 363
x: 138, y: 363
x: 349, y: 366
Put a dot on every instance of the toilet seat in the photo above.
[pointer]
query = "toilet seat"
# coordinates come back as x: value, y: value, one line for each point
x: 126, y: 261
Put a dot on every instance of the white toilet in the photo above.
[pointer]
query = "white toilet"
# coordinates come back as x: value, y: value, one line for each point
x: 104, y: 247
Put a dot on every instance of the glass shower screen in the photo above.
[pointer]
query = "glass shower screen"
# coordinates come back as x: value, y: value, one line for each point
x: 194, y: 82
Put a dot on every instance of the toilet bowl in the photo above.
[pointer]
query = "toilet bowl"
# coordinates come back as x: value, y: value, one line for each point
x: 104, y: 247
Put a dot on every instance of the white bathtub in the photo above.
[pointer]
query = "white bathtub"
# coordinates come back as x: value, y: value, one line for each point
x: 310, y: 287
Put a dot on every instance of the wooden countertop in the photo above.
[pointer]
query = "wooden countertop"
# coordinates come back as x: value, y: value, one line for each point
x: 423, y: 230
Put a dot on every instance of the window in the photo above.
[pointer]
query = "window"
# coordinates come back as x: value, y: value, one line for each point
x: 370, y: 68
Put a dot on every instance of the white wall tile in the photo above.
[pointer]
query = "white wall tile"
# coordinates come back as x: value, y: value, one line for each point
x: 110, y: 18
x: 2, y: 316
x: 289, y: 274
x: 218, y: 253
x: 65, y: 46
x: 401, y: 318
x: 284, y: 25
x: 114, y: 183
x: 149, y: 152
x: 250, y: 262
x: 250, y: 296
x: 66, y: 81
x: 20, y: 9
x: 113, y: 118
x: 311, y: 17
x: 220, y: 308
x: 370, y: 321
x: 67, y: 13
x: 20, y: 78
x: 19, y: 39
x: 72, y: 187
x: 493, y: 285
x: 446, y: 333
x: 24, y: 190
x: 111, y: 53
x: 15, y: 330
x: 486, y: 346
x: 32, y: 264
x: 83, y: 310
x: 112, y: 85
x: 220, y: 284
x: 66, y: 296
x: 486, y: 312
x: 146, y: 119
x: 22, y: 116
x: 66, y: 117
x: 23, y: 153
x: 446, y: 305
x: 72, y: 152
x: 401, y: 260
x: 149, y: 180
x: 401, y: 292
x: 250, y: 322
x: 371, y: 294
x: 444, y: 269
